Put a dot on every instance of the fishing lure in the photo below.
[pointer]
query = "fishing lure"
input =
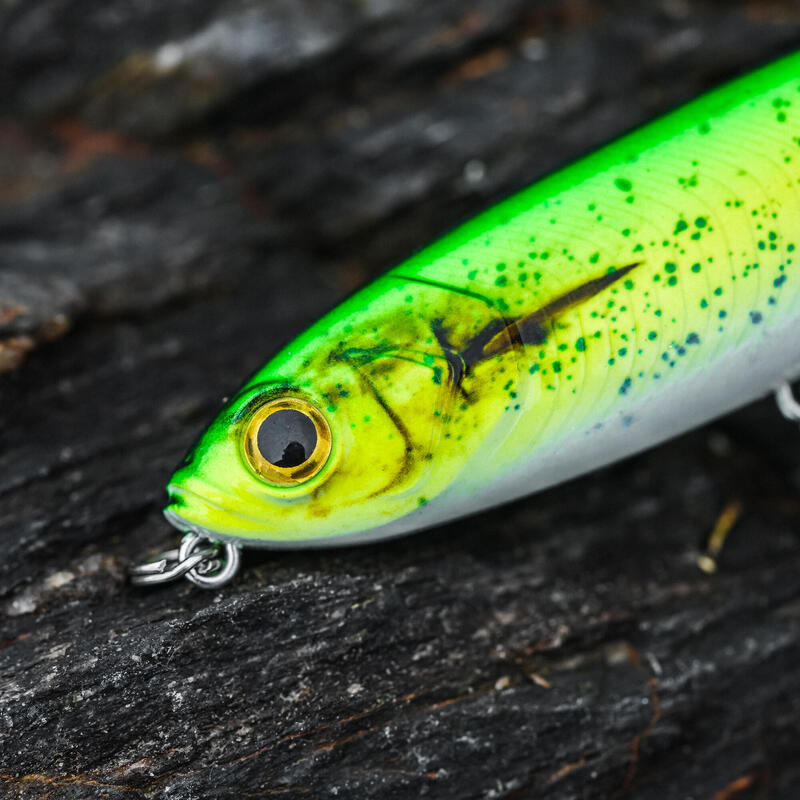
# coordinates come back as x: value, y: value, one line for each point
x: 640, y: 292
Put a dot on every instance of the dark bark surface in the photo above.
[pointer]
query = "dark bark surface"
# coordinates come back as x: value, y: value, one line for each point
x: 183, y: 187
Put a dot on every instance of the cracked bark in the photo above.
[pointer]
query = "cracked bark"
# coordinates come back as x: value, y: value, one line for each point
x: 168, y: 175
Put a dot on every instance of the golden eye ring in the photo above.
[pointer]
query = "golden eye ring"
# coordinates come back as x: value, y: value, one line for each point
x: 287, y: 441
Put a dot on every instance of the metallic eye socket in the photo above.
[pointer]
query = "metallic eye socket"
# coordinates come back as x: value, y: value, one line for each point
x: 287, y: 441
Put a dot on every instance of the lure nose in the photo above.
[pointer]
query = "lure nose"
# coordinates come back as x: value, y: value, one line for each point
x: 201, y: 510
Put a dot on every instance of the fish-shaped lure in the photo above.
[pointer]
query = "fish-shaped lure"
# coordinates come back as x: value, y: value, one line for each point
x: 635, y: 294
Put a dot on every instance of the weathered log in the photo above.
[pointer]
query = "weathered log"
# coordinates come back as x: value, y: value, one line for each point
x: 170, y: 175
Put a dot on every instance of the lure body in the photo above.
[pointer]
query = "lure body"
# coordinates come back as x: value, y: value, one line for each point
x: 629, y: 297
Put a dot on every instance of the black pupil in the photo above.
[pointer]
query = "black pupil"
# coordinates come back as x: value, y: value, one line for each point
x: 287, y: 438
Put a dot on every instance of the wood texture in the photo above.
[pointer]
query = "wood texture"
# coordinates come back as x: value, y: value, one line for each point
x: 183, y: 187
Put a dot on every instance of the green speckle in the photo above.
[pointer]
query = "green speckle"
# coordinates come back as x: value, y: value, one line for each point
x: 500, y: 267
x: 500, y: 280
x: 680, y: 227
x: 672, y: 280
x: 472, y: 274
x: 704, y: 303
x: 696, y: 268
x: 534, y: 368
x: 422, y: 501
x: 580, y: 345
x: 652, y: 336
x: 623, y: 184
x: 718, y: 291
x: 594, y: 258
x: 556, y: 366
x: 628, y: 284
x: 409, y: 298
x: 670, y: 267
x: 701, y: 222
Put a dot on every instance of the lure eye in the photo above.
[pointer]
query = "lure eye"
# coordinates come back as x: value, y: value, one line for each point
x: 287, y: 441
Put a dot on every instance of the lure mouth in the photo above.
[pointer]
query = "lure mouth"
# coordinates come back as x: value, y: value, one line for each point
x: 184, y: 526
x: 242, y: 534
x: 190, y: 511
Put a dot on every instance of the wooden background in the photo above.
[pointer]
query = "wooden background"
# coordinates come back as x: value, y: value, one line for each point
x: 184, y: 185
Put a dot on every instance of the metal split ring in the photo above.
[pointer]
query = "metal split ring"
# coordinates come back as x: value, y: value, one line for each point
x: 787, y: 402
x: 210, y: 566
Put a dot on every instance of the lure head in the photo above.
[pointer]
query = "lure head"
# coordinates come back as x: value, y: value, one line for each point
x: 283, y: 463
x: 346, y: 434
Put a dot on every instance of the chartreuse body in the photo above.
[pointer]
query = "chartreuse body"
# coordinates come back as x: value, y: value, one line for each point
x: 626, y: 298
